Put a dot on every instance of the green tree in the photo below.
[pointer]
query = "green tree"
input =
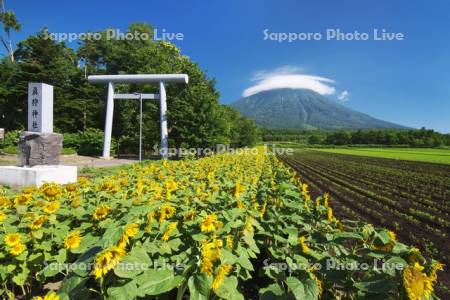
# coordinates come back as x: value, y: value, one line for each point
x: 194, y: 111
x: 77, y: 105
x: 241, y: 130
x: 9, y: 21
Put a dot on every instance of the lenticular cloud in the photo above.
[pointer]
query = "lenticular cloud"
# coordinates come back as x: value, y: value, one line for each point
x: 289, y: 77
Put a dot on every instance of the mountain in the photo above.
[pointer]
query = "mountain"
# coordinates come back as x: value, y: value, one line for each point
x: 304, y: 109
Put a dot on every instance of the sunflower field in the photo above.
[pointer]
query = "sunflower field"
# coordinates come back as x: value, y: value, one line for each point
x: 229, y: 226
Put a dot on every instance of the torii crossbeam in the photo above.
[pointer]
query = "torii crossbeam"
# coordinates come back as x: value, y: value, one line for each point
x: 137, y: 78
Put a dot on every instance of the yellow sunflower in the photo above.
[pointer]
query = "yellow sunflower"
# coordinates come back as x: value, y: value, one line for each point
x: 76, y: 201
x: 2, y: 216
x: 71, y: 187
x: 51, y: 207
x: 23, y: 199
x: 130, y: 231
x: 101, y: 212
x: 209, y: 223
x: 48, y: 296
x: 417, y: 284
x: 238, y: 189
x: 303, y: 245
x: 4, y: 202
x: 38, y: 222
x: 51, y: 190
x: 165, y: 212
x: 170, y: 229
x: 17, y: 249
x: 29, y: 190
x: 83, y: 181
x: 73, y: 240
x: 210, y: 254
x: 330, y: 216
x: 221, y: 273
x: 12, y: 239
x: 107, y: 260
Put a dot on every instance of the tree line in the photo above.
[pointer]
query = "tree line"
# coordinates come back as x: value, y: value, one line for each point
x: 195, y: 116
x: 389, y: 137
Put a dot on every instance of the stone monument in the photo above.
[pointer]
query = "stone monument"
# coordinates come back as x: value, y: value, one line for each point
x: 39, y: 147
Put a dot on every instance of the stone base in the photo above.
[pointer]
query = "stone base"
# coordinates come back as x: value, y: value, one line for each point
x: 37, y: 175
x: 37, y: 148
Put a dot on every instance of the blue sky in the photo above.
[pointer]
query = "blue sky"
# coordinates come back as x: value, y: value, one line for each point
x: 407, y: 82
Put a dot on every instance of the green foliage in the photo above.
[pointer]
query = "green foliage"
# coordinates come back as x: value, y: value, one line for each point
x: 195, y: 116
x: 9, y: 22
x: 241, y: 130
x: 266, y: 233
x: 12, y: 138
x: 381, y: 137
x: 414, y: 138
x: 11, y: 150
x: 89, y: 142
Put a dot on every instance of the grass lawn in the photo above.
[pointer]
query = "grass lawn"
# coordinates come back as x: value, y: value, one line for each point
x: 441, y: 156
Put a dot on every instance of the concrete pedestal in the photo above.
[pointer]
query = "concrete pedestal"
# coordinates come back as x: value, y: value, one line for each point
x: 37, y: 175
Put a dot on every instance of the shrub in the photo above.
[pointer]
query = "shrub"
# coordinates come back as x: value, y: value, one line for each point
x: 12, y: 138
x: 89, y: 142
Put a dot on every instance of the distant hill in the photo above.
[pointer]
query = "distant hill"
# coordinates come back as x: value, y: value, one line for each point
x: 304, y: 109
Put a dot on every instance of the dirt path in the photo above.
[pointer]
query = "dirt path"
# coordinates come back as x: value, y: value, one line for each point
x: 74, y: 160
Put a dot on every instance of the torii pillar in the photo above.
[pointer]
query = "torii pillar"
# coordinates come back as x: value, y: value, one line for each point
x: 161, y: 79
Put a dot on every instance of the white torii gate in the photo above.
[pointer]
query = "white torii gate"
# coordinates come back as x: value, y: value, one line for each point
x: 137, y: 78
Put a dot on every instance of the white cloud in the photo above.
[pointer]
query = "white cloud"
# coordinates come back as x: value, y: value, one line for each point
x: 344, y: 96
x: 289, y: 77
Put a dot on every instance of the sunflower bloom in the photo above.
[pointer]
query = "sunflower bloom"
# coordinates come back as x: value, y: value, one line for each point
x: 2, y: 216
x: 166, y: 211
x: 221, y: 273
x: 130, y: 231
x: 38, y: 222
x: 330, y: 214
x: 51, y: 190
x: 171, y: 185
x: 208, y: 223
x: 326, y: 198
x: 190, y: 215
x: 238, y: 189
x: 4, y: 202
x: 83, y: 181
x: 76, y: 201
x: 17, y: 249
x: 210, y: 254
x: 73, y: 240
x: 23, y: 199
x: 101, y: 212
x: 71, y: 187
x: 318, y: 283
x: 304, y: 189
x: 48, y: 296
x: 414, y: 256
x: 170, y: 229
x: 107, y: 260
x: 29, y: 190
x: 229, y: 242
x: 248, y: 227
x: 51, y: 207
x: 303, y: 245
x: 307, y: 201
x: 417, y: 284
x: 436, y: 267
x: 12, y: 239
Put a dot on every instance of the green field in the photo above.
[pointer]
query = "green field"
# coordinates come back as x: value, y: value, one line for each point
x: 417, y: 154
